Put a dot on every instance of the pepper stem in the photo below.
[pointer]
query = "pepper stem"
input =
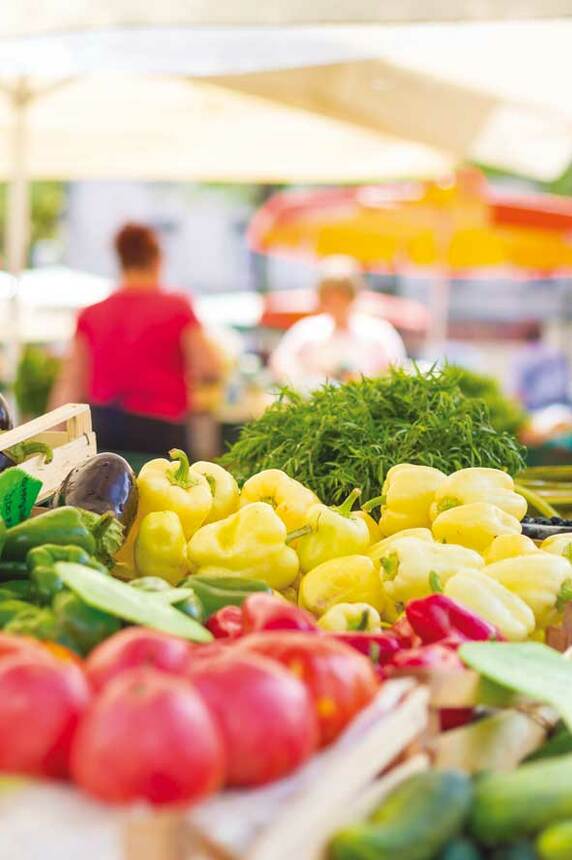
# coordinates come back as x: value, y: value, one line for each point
x: 373, y: 503
x: 565, y: 594
x: 447, y: 503
x: 435, y: 582
x: 346, y: 506
x: 181, y: 476
x: 536, y: 501
x: 298, y: 533
x: 20, y: 453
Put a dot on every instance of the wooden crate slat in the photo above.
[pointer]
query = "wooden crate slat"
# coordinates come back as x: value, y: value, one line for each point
x: 75, y: 416
x: 66, y: 457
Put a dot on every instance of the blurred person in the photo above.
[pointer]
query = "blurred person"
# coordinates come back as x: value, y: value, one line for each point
x: 339, y: 342
x: 137, y: 355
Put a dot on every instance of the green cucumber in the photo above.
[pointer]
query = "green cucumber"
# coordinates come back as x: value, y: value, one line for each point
x: 511, y: 806
x: 460, y: 849
x: 555, y: 843
x: 414, y: 823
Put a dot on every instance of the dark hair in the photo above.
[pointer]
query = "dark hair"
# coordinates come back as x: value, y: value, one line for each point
x: 137, y: 246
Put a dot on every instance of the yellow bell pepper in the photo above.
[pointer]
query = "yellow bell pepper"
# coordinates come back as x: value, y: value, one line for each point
x: 351, y: 616
x: 223, y: 487
x: 379, y: 549
x: 509, y: 546
x: 559, y: 545
x: 289, y: 498
x: 331, y: 533
x: 537, y: 578
x: 353, y: 579
x: 479, y: 485
x: 250, y: 543
x: 171, y: 486
x: 161, y: 548
x: 474, y: 525
x: 482, y: 594
x: 372, y: 527
x: 407, y: 494
x: 409, y: 565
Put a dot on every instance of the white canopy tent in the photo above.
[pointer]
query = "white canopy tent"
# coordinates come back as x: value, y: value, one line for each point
x: 27, y: 16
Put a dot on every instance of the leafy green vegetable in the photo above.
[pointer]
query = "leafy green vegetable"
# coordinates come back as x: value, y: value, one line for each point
x: 346, y: 436
x: 528, y: 667
x: 35, y: 377
x: 506, y: 414
x: 131, y: 604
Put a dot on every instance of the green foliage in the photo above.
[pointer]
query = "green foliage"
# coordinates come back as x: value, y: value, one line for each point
x: 36, y: 374
x: 46, y: 205
x: 350, y: 435
x: 506, y: 415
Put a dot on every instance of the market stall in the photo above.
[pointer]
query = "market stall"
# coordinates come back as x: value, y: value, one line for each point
x: 192, y: 666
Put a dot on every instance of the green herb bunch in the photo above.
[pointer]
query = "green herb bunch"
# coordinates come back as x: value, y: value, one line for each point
x: 346, y: 436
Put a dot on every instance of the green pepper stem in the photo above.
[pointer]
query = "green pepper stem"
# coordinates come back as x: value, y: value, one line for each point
x: 298, y: 533
x: 102, y: 524
x: 20, y: 453
x: 180, y: 477
x: 435, y: 582
x: 565, y: 594
x: 346, y: 506
x: 373, y: 503
x: 536, y: 501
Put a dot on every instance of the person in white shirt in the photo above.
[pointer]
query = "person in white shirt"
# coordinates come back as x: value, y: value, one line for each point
x: 338, y: 343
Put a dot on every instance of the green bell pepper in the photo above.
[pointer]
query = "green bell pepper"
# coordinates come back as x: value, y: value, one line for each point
x: 82, y: 625
x: 39, y: 623
x: 21, y: 589
x: 40, y: 562
x: 99, y: 535
x: 11, y: 608
x: 215, y: 592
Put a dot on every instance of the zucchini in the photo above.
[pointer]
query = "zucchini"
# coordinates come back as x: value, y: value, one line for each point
x: 555, y: 843
x: 414, y: 823
x: 511, y: 806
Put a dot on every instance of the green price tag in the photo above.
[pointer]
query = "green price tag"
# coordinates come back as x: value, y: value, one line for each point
x: 18, y: 493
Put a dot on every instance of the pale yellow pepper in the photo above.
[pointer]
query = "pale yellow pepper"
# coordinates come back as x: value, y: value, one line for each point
x: 408, y: 492
x: 372, y: 526
x: 289, y: 498
x: 410, y: 564
x: 353, y: 579
x: 509, y: 546
x: 351, y: 616
x: 380, y: 549
x: 479, y: 485
x: 538, y: 578
x: 161, y: 547
x: 474, y: 525
x: 559, y: 545
x: 332, y: 533
x: 250, y: 543
x: 482, y: 594
x: 224, y: 489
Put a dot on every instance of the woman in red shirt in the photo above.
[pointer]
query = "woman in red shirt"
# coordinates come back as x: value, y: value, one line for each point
x: 135, y: 353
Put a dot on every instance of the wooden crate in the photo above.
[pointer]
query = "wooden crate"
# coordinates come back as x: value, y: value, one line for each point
x: 68, y: 431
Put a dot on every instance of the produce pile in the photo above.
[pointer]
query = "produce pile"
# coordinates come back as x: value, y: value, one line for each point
x: 166, y: 636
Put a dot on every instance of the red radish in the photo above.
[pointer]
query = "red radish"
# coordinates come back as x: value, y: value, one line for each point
x: 340, y: 680
x: 148, y: 736
x: 41, y: 703
x: 266, y: 716
x: 136, y: 646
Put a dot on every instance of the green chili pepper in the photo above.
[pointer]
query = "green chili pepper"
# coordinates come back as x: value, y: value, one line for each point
x: 216, y: 591
x: 84, y: 626
x: 190, y: 604
x: 40, y: 562
x: 22, y: 589
x: 101, y: 536
x: 11, y: 608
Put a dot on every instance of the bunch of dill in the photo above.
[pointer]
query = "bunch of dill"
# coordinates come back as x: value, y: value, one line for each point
x: 346, y: 436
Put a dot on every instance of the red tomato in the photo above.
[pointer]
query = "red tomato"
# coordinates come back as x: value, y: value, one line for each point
x: 41, y: 702
x: 136, y: 646
x: 266, y: 716
x: 60, y: 652
x: 11, y: 645
x: 148, y: 736
x: 340, y: 680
